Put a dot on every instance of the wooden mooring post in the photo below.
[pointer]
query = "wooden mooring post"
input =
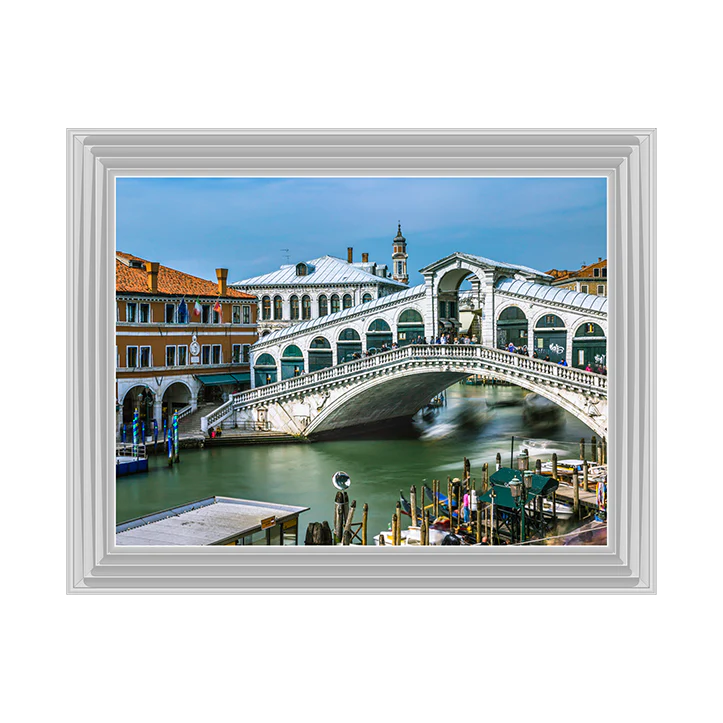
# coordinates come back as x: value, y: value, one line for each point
x: 498, y: 461
x: 585, y: 481
x: 554, y: 465
x: 593, y: 448
x: 582, y: 447
x: 413, y: 503
x: 466, y: 469
x: 485, y: 477
x: 346, y: 534
x: 365, y: 515
x: 575, y: 495
x: 538, y: 466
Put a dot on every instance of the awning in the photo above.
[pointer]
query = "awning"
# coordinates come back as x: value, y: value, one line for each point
x: 210, y: 380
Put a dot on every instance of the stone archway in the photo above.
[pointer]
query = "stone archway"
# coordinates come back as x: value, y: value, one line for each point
x: 176, y: 396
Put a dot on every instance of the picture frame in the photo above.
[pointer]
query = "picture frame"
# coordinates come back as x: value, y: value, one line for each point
x: 626, y: 157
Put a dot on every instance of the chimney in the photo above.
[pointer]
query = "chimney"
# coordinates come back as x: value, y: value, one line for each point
x: 222, y: 275
x: 350, y: 254
x: 599, y: 259
x: 152, y: 269
x: 365, y: 258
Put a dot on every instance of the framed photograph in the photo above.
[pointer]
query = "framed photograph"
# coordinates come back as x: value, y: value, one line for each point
x: 379, y: 361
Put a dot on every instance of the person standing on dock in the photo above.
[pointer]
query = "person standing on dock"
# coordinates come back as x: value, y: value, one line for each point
x: 466, y: 506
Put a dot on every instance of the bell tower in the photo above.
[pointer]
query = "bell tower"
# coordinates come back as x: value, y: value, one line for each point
x: 399, y: 258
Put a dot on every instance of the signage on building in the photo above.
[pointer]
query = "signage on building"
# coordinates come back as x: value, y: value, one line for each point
x: 268, y: 522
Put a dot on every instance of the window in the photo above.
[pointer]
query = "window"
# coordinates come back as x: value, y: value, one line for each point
x: 452, y: 309
x: 266, y: 308
x: 170, y: 317
x: 170, y: 356
x: 182, y: 356
x: 247, y: 314
x: 131, y: 309
x: 236, y: 314
x: 205, y: 313
x: 334, y: 303
x: 605, y: 272
x: 305, y: 307
x: 132, y: 356
x: 596, y: 272
x: 346, y: 302
x: 366, y: 297
x: 236, y: 354
x: 183, y: 313
x: 442, y: 309
x: 294, y: 307
x: 601, y: 290
x: 278, y: 309
x: 205, y: 354
x: 323, y: 306
x: 145, y: 356
x: 246, y: 353
x: 217, y: 316
x: 583, y: 288
x: 301, y: 270
x: 145, y: 313
x: 400, y: 268
x: 216, y: 354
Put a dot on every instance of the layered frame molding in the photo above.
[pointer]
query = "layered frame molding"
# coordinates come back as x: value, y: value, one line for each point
x: 97, y: 157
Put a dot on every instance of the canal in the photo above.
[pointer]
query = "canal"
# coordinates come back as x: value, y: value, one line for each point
x: 476, y: 422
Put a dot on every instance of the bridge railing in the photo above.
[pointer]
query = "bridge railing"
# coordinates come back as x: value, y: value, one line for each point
x: 452, y: 352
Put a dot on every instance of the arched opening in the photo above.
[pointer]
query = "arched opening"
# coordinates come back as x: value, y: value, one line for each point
x: 301, y: 269
x: 348, y: 346
x: 278, y: 308
x: 334, y: 303
x: 292, y: 362
x: 367, y: 297
x: 305, y: 307
x: 265, y: 371
x: 511, y: 328
x: 410, y: 327
x: 266, y: 308
x: 589, y: 347
x: 175, y: 398
x: 550, y: 338
x: 379, y: 334
x: 265, y: 332
x: 346, y: 301
x: 142, y: 399
x: 454, y: 283
x: 320, y: 354
x: 323, y: 305
x: 294, y: 308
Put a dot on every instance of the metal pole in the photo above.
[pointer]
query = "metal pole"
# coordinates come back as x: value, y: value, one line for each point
x: 512, y: 451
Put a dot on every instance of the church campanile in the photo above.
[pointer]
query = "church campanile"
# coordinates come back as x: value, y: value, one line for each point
x: 399, y: 258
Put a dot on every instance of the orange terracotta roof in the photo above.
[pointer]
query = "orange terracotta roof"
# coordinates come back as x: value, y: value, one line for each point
x: 170, y: 282
x: 586, y: 272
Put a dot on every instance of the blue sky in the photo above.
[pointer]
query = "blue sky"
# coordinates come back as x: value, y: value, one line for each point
x: 244, y: 224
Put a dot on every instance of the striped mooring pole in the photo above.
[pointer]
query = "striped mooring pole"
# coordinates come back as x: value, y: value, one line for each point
x: 177, y: 457
x: 155, y: 436
x: 135, y: 433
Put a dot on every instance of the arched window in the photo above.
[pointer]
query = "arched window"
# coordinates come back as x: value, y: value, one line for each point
x: 379, y: 325
x: 301, y: 270
x: 278, y: 308
x: 292, y: 362
x: 589, y: 347
x: 265, y: 371
x: 266, y: 308
x: 320, y: 354
x: 346, y: 302
x: 334, y: 303
x: 512, y: 328
x: 349, y: 346
x: 550, y: 338
x: 379, y: 335
x: 323, y: 305
x: 550, y: 321
x: 410, y: 327
x: 294, y: 304
x: 367, y: 297
x: 305, y: 307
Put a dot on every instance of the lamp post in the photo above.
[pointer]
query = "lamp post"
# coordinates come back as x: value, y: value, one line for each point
x: 520, y: 490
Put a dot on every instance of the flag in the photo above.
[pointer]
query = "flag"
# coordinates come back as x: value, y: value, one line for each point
x: 197, y: 309
x: 182, y: 311
x: 217, y: 309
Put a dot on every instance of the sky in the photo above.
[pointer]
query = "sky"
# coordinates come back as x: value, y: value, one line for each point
x: 251, y: 226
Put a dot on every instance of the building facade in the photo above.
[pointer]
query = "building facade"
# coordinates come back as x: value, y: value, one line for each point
x: 313, y: 289
x: 179, y: 340
x: 590, y: 279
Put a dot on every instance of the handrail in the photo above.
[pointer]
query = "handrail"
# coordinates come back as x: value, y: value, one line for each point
x: 547, y: 372
x: 181, y: 413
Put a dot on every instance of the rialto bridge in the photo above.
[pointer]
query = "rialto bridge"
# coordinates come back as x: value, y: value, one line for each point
x: 319, y: 375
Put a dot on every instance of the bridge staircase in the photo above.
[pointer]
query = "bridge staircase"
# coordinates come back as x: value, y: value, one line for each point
x: 189, y: 425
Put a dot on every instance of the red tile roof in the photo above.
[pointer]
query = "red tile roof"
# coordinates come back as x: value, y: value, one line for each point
x: 586, y: 272
x: 170, y: 282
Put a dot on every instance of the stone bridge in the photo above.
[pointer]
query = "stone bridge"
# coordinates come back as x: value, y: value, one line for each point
x: 397, y: 383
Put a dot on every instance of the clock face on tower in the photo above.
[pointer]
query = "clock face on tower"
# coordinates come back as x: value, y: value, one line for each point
x: 195, y: 348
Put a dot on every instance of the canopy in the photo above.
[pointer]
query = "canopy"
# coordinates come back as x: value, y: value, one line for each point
x: 210, y: 380
x: 501, y: 479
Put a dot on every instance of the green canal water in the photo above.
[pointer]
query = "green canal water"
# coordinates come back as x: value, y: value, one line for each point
x: 476, y: 422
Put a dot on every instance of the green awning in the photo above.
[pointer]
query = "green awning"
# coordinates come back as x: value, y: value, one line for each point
x: 500, y: 480
x: 210, y: 380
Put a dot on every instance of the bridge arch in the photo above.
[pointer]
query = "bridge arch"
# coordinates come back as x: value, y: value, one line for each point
x: 551, y: 336
x: 403, y: 392
x: 409, y: 323
x: 512, y: 327
x: 378, y: 334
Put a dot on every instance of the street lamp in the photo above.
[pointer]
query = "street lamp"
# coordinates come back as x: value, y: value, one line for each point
x: 520, y: 490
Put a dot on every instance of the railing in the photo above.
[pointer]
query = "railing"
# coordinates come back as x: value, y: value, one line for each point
x: 128, y: 449
x: 504, y: 361
x: 181, y: 413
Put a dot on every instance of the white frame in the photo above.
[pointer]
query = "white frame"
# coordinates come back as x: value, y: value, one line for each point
x: 626, y: 157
